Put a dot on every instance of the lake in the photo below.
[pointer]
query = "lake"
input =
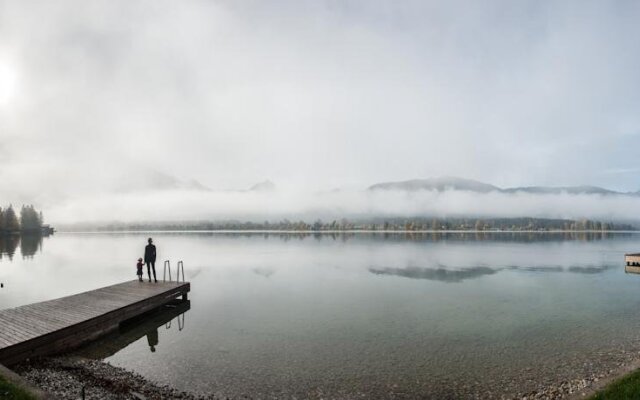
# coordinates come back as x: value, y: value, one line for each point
x: 353, y: 315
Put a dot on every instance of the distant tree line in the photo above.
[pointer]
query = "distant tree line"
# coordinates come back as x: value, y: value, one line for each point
x: 385, y: 224
x: 29, y: 221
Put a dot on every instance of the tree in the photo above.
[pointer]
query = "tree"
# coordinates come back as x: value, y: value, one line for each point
x: 10, y: 220
x: 30, y: 219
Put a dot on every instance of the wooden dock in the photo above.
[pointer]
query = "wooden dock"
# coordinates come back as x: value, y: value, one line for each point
x: 632, y: 263
x: 62, y: 324
x: 632, y: 259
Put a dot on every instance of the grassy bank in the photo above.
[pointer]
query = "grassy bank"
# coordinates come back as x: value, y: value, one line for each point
x: 10, y: 391
x: 627, y: 387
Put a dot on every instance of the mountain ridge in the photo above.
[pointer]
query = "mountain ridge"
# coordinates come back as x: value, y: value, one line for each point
x: 452, y: 183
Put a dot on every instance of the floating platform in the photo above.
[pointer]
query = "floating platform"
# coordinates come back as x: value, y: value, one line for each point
x: 632, y: 263
x: 63, y: 324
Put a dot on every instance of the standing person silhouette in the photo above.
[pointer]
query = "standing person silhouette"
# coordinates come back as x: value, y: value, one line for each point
x: 150, y: 259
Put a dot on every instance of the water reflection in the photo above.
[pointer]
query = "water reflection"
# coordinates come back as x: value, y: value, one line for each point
x: 436, y: 274
x: 152, y: 339
x: 8, y: 245
x: 136, y: 329
x: 454, y: 275
x: 29, y: 245
x: 540, y: 269
x: 418, y: 236
x: 265, y: 272
x: 590, y: 269
x: 496, y: 236
x: 632, y: 269
x: 283, y: 315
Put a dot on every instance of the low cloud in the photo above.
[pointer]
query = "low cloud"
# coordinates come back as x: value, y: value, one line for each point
x: 174, y: 205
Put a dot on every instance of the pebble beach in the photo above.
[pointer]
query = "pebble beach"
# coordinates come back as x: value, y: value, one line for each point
x: 64, y: 377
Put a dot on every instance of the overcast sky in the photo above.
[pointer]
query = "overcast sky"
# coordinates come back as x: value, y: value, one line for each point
x: 96, y: 95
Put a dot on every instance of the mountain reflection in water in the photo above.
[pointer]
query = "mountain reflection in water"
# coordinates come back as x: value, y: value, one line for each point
x: 436, y: 274
x: 454, y: 275
x: 590, y: 269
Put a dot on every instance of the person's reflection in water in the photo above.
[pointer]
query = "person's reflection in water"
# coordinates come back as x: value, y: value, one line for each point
x: 152, y: 339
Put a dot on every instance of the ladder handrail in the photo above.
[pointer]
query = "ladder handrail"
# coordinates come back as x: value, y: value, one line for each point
x: 180, y: 267
x: 167, y: 264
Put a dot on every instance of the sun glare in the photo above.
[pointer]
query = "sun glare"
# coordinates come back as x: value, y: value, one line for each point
x: 8, y: 81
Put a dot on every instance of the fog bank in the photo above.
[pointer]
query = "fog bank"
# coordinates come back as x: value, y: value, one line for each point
x: 275, y: 205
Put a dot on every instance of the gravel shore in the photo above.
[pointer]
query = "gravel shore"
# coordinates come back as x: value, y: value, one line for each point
x: 601, y: 374
x: 64, y: 378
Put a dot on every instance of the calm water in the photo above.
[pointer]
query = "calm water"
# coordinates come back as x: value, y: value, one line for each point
x: 343, y: 316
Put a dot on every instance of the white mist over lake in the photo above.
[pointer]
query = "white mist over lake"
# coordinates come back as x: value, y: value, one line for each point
x: 279, y: 204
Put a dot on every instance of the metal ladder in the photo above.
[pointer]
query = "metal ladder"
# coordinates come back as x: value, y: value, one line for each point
x: 167, y: 267
x: 179, y: 268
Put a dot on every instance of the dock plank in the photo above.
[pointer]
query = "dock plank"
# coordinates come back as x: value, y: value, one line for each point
x: 25, y: 325
x: 46, y: 317
x: 61, y: 324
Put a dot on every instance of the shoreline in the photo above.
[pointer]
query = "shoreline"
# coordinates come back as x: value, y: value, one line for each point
x: 63, y: 377
x: 591, y: 390
x: 351, y: 231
